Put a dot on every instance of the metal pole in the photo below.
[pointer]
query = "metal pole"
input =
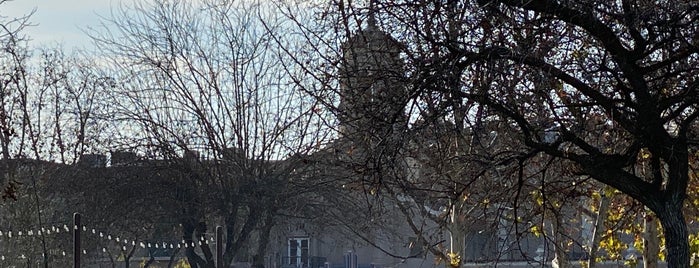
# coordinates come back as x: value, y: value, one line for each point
x: 76, y: 240
x: 219, y: 247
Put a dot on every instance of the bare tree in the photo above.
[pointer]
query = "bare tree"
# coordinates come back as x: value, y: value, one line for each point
x: 202, y: 86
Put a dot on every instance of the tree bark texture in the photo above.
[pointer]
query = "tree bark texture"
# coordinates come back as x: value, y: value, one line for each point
x: 676, y: 234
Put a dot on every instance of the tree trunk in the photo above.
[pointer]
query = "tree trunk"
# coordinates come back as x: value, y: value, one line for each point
x: 172, y: 258
x: 200, y: 234
x: 188, y: 231
x: 259, y: 259
x: 150, y: 261
x: 651, y: 243
x: 675, y: 232
x: 599, y: 227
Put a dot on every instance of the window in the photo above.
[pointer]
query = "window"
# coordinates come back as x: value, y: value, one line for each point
x: 298, y: 251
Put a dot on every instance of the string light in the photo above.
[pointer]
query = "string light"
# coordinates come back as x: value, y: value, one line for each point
x: 203, y: 240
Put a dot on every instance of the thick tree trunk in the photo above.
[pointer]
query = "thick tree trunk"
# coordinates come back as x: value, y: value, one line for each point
x: 651, y: 243
x: 259, y: 259
x: 676, y: 234
x: 599, y: 228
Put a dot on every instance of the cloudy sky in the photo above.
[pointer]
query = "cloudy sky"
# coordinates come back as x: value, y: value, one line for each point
x: 60, y: 21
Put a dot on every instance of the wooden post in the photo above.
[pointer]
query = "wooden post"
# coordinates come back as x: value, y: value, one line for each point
x: 76, y: 240
x: 219, y: 247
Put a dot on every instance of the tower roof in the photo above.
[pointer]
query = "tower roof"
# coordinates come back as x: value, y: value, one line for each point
x: 372, y: 37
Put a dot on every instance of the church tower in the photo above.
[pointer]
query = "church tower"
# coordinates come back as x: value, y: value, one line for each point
x: 372, y: 84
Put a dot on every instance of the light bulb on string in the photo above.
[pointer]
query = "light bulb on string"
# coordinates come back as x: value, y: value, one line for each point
x: 109, y: 237
x: 84, y: 229
x: 117, y: 239
x: 142, y: 245
x: 19, y: 233
x: 93, y: 231
x: 101, y: 235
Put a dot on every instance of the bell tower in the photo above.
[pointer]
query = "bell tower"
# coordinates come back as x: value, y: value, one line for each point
x: 372, y: 83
